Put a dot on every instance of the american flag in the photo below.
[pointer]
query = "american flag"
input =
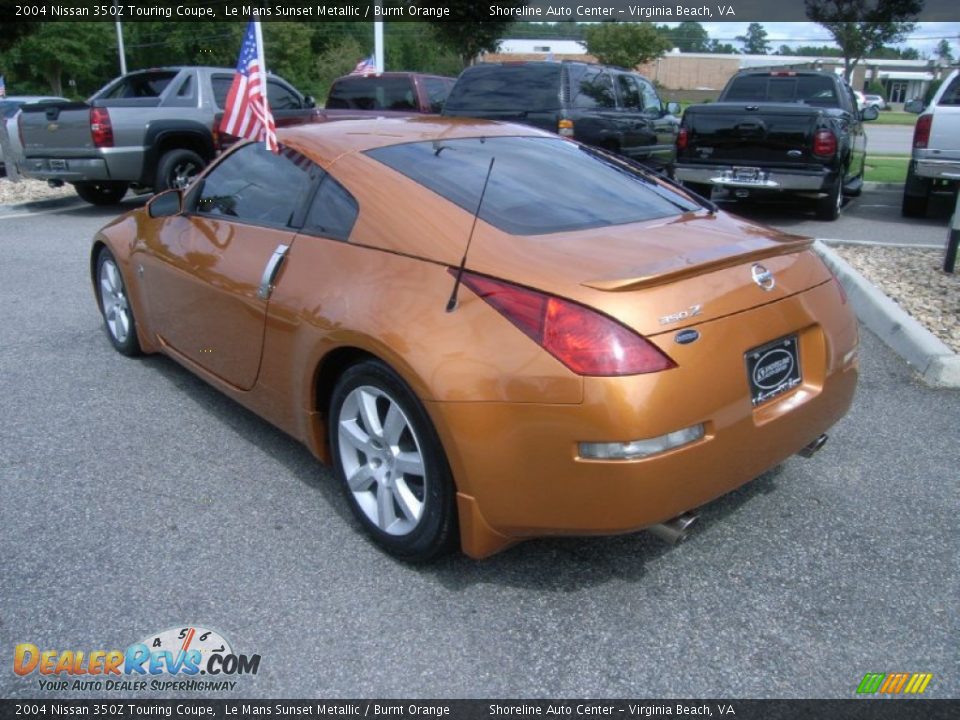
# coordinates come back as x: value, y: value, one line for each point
x: 247, y: 112
x: 365, y: 67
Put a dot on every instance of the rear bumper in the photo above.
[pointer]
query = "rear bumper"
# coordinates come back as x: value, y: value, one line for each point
x: 938, y: 169
x: 122, y: 164
x: 773, y: 179
x: 519, y: 473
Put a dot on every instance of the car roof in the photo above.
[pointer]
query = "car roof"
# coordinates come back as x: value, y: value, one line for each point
x: 326, y: 142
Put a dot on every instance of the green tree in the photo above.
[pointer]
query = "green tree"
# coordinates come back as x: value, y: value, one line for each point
x: 719, y: 48
x: 467, y: 31
x: 413, y: 46
x: 944, y: 51
x: 688, y: 36
x: 625, y: 44
x: 860, y: 26
x: 72, y: 58
x: 755, y: 40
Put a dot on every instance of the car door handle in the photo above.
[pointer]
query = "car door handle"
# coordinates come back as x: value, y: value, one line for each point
x: 270, y: 271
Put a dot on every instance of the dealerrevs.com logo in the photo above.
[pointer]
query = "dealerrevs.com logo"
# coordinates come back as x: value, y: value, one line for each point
x: 178, y: 659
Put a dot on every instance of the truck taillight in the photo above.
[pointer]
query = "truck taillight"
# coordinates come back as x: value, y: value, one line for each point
x: 565, y: 128
x: 100, y: 128
x: 683, y: 137
x: 921, y: 132
x: 824, y: 143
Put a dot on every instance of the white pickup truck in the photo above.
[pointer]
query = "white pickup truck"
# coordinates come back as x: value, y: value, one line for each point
x: 935, y: 164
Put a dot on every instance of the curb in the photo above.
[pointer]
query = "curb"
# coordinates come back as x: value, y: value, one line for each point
x: 937, y: 364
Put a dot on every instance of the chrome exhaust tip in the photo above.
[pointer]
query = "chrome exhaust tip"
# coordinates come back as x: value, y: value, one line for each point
x: 676, y: 530
x: 813, y: 448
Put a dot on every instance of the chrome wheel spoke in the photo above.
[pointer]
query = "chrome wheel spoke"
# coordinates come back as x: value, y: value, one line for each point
x: 394, y: 425
x: 409, y: 505
x: 369, y: 414
x: 409, y: 463
x: 354, y: 436
x: 386, y: 513
x: 361, y: 479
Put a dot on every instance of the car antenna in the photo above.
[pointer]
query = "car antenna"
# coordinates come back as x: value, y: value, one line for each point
x: 452, y: 302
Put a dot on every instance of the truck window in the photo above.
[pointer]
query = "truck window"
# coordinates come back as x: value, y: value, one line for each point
x: 437, y: 91
x: 951, y: 96
x: 595, y: 90
x: 141, y: 85
x: 811, y: 89
x: 651, y: 101
x: 221, y: 88
x: 280, y: 97
x: 507, y: 88
x: 382, y: 93
x: 629, y: 92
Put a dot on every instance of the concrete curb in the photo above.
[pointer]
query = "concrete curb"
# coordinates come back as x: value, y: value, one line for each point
x: 936, y: 363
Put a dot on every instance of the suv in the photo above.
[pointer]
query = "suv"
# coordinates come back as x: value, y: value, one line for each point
x: 603, y: 106
x: 935, y: 163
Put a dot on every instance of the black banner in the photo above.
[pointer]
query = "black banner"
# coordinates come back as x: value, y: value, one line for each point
x: 659, y: 11
x: 860, y: 709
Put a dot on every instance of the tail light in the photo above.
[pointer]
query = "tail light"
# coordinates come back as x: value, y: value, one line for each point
x: 921, y: 132
x: 584, y: 340
x: 824, y: 143
x: 100, y: 128
x: 565, y: 128
x: 683, y: 137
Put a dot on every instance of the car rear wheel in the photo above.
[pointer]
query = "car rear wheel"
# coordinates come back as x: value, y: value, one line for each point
x: 828, y: 207
x: 115, y: 305
x: 109, y: 192
x: 390, y: 463
x: 177, y: 169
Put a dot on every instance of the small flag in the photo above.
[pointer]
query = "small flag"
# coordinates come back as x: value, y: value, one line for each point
x: 365, y: 67
x: 247, y: 112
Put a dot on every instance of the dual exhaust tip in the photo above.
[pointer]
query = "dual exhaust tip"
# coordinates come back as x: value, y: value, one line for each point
x: 676, y: 530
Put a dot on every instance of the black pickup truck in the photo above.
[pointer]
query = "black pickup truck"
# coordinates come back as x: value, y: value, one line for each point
x: 774, y: 132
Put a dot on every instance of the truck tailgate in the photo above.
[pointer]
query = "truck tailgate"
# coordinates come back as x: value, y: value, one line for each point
x: 56, y: 130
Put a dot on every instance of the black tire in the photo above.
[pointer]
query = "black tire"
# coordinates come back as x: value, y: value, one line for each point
x: 828, y: 207
x: 385, y: 497
x: 109, y: 192
x: 177, y: 169
x: 704, y: 190
x: 118, y: 319
x: 916, y: 195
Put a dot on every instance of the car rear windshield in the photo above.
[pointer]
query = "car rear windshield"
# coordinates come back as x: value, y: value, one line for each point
x: 372, y: 94
x: 810, y: 89
x: 502, y: 88
x: 537, y: 185
x: 140, y: 85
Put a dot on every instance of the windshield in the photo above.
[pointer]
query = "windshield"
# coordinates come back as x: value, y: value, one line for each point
x: 537, y: 185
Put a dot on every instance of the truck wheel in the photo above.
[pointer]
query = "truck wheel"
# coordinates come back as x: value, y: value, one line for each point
x: 177, y: 169
x: 828, y: 207
x: 101, y: 193
x: 916, y: 195
x: 704, y: 190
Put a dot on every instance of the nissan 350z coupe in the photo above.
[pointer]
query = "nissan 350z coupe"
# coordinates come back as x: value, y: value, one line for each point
x: 491, y: 333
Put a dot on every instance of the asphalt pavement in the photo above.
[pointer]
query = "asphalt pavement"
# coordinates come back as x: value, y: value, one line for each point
x: 135, y: 498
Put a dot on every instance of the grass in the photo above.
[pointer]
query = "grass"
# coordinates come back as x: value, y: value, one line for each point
x: 892, y: 117
x: 886, y: 169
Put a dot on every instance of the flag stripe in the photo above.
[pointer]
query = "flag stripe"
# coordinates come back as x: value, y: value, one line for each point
x: 247, y: 112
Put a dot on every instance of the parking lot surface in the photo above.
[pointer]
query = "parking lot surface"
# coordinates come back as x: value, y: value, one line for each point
x: 135, y: 498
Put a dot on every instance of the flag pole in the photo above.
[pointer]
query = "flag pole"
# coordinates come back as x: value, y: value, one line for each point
x: 378, y: 44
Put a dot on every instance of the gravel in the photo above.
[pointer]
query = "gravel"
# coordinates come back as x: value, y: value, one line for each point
x: 913, y: 278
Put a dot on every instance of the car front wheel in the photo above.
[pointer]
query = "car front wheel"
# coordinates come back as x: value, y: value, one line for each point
x: 115, y: 305
x: 390, y: 463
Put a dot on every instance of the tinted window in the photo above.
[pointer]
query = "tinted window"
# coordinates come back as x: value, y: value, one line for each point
x: 595, y: 90
x: 256, y: 186
x: 629, y: 93
x: 951, y: 96
x: 281, y: 97
x: 437, y: 91
x: 332, y: 212
x: 221, y: 88
x: 533, y: 87
x: 811, y: 89
x: 522, y: 196
x: 141, y: 85
x: 384, y: 93
x: 651, y: 101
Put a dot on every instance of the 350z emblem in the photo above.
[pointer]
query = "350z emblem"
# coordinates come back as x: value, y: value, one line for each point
x: 690, y: 312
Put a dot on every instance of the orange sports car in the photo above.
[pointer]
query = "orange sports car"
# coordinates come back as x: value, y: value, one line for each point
x: 490, y: 332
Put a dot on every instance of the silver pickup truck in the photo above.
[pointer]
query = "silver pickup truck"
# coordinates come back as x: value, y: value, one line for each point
x: 149, y: 129
x: 935, y: 163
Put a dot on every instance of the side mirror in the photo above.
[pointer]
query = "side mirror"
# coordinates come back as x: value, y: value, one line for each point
x: 914, y: 106
x: 869, y: 113
x: 166, y: 204
x: 309, y: 102
x: 673, y: 108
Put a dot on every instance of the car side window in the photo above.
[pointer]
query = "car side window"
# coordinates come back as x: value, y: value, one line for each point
x: 595, y: 90
x: 437, y: 91
x: 281, y: 97
x: 651, y: 101
x: 629, y: 93
x: 221, y: 88
x: 333, y: 211
x: 951, y: 96
x: 256, y: 186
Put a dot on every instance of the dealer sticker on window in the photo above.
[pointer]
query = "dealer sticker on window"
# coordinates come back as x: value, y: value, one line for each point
x: 773, y: 369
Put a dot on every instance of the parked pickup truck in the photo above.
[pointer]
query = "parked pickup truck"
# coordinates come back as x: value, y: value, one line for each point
x: 149, y: 129
x: 389, y: 93
x: 935, y: 164
x: 774, y: 132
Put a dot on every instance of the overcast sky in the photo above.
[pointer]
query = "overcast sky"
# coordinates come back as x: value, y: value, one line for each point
x: 924, y: 37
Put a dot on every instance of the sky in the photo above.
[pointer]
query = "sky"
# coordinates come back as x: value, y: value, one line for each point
x: 924, y: 37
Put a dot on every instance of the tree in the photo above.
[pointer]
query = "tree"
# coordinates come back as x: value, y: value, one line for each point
x: 944, y: 52
x: 755, y: 40
x: 466, y: 30
x: 625, y: 44
x: 74, y: 58
x: 688, y: 36
x: 860, y: 26
x: 719, y: 48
